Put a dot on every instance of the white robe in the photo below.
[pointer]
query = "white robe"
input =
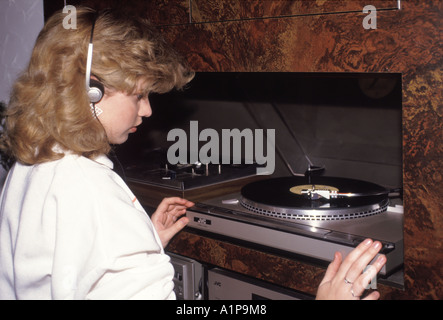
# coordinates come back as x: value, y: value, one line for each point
x: 72, y: 229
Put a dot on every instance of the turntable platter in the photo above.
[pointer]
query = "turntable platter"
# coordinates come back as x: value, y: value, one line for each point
x: 287, y: 198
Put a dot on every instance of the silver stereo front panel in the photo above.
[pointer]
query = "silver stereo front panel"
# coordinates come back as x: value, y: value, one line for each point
x: 315, y: 241
x: 188, y: 278
x: 226, y: 285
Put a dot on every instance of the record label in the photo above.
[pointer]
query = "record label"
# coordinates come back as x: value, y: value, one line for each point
x: 298, y: 189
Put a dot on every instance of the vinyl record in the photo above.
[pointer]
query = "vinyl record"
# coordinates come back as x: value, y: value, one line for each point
x: 285, y: 193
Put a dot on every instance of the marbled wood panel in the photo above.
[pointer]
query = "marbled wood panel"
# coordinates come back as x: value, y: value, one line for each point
x: 271, y: 268
x: 333, y: 43
x: 131, y: 6
x: 163, y: 12
x: 268, y: 267
x: 407, y: 41
x: 327, y: 43
x: 160, y: 12
x: 423, y: 156
x: 303, y: 44
x: 223, y: 10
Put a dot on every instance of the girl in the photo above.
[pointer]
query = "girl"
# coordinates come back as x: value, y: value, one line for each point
x: 69, y: 226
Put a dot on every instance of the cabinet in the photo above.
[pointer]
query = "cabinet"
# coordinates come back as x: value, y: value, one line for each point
x: 407, y: 42
x: 179, y: 12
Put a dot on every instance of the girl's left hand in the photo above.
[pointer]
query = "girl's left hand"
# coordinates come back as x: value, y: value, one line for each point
x: 348, y: 279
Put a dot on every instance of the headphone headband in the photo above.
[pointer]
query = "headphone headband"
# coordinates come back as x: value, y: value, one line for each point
x: 95, y: 92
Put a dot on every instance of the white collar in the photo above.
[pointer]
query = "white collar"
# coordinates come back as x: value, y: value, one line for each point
x: 104, y: 160
x: 100, y: 159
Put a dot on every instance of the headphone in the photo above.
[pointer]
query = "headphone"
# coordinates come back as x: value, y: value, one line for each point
x: 94, y: 88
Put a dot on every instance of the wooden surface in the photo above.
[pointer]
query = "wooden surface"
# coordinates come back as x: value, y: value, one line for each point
x: 150, y: 195
x: 284, y: 271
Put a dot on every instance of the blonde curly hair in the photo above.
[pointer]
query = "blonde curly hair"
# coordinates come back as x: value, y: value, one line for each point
x: 49, y: 106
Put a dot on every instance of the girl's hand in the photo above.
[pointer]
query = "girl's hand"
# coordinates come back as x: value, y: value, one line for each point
x: 166, y: 218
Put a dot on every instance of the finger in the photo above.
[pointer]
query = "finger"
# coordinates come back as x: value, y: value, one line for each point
x: 176, y: 211
x: 170, y: 232
x: 179, y: 225
x: 173, y: 201
x: 375, y: 295
x: 163, y: 206
x: 168, y: 204
x: 361, y: 263
x: 370, y: 274
x: 352, y: 257
x: 179, y: 201
x: 176, y: 208
x: 332, y: 269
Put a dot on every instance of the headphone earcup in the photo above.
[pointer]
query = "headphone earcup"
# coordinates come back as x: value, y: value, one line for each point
x: 96, y: 91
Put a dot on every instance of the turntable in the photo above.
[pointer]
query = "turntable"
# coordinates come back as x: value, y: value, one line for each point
x: 309, y: 217
x: 315, y: 198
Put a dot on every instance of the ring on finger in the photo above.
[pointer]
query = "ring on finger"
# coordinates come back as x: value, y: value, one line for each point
x: 348, y: 282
